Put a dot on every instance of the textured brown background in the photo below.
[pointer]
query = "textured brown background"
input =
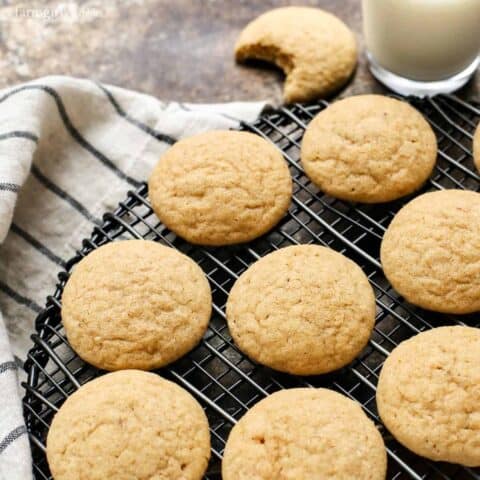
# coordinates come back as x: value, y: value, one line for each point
x: 173, y: 49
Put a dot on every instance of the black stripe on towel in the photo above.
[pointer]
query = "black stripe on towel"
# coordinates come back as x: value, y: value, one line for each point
x: 9, y: 187
x: 73, y: 131
x: 20, y: 299
x: 7, y: 366
x: 12, y: 436
x: 64, y: 195
x: 19, y: 134
x: 162, y: 137
x: 39, y: 246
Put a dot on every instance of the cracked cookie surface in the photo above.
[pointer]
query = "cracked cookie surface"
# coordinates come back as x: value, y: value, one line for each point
x: 303, y: 309
x: 129, y: 425
x: 315, y: 49
x: 428, y: 394
x: 305, y: 433
x: 221, y: 187
x: 369, y: 148
x: 430, y: 252
x: 135, y: 304
x: 476, y: 147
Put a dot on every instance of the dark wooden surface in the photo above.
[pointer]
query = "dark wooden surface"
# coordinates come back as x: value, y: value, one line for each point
x: 173, y: 49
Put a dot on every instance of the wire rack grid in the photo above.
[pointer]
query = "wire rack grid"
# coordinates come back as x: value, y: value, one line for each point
x: 225, y: 382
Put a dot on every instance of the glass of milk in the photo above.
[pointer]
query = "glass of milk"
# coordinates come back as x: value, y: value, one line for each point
x: 422, y: 47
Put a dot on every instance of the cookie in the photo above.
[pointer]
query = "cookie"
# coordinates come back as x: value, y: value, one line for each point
x: 135, y: 304
x: 428, y: 394
x: 305, y: 433
x: 369, y: 148
x: 221, y: 187
x: 476, y: 147
x: 303, y: 309
x: 315, y: 49
x: 430, y: 252
x: 129, y: 425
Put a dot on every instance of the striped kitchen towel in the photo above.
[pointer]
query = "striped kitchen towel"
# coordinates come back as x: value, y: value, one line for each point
x: 69, y: 150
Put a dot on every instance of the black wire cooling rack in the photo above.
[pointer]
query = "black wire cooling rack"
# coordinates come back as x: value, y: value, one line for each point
x: 225, y: 382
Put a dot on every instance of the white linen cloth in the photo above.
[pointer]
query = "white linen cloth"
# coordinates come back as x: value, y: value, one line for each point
x: 69, y: 151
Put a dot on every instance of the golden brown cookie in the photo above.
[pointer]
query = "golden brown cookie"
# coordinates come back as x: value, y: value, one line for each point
x: 303, y: 309
x: 428, y: 394
x: 305, y: 433
x: 476, y: 147
x: 431, y: 251
x: 369, y: 148
x: 135, y: 304
x: 315, y: 49
x: 129, y: 425
x: 221, y: 187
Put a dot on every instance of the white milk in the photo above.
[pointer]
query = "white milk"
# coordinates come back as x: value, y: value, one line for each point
x: 423, y: 40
